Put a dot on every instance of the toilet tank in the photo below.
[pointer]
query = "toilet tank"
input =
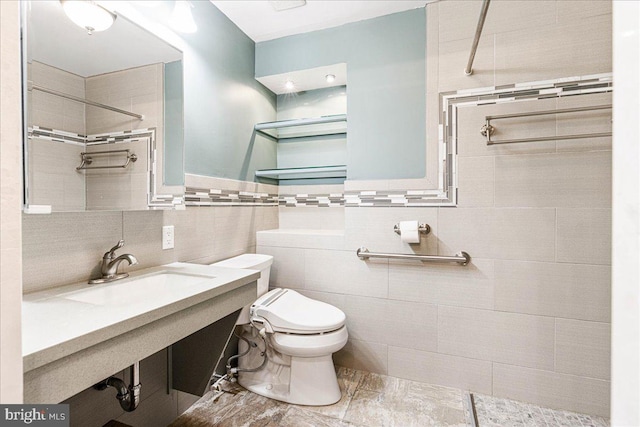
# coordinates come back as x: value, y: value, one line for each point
x: 258, y: 262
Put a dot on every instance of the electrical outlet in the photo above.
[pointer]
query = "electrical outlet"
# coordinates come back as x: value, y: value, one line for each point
x: 168, y: 236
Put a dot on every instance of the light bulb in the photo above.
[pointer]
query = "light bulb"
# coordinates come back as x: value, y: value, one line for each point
x: 88, y: 15
x: 182, y: 19
x: 330, y: 78
x: 289, y: 85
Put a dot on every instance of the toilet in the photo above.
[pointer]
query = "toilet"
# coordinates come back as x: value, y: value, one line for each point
x: 298, y: 336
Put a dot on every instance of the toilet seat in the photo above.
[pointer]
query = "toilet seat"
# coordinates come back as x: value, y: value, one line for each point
x: 309, y: 345
x: 285, y: 310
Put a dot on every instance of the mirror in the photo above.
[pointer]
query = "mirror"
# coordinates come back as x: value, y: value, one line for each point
x: 99, y: 109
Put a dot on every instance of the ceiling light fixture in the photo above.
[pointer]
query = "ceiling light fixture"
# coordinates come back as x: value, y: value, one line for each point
x: 330, y: 78
x: 182, y: 18
x: 289, y: 85
x: 88, y: 15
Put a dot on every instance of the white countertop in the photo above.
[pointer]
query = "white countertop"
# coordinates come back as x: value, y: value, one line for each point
x: 58, y: 322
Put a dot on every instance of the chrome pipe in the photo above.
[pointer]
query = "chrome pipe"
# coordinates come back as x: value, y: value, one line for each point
x: 462, y: 258
x: 84, y: 101
x: 549, y: 138
x: 476, y: 39
x: 549, y: 112
x: 129, y: 397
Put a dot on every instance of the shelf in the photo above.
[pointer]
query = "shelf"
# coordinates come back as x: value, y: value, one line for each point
x: 313, y: 172
x: 304, y: 128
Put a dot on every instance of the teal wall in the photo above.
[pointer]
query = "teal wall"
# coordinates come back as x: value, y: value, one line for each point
x: 222, y: 99
x: 173, y: 124
x: 386, y: 87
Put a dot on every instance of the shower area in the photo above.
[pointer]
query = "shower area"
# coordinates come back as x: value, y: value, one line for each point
x: 523, y: 90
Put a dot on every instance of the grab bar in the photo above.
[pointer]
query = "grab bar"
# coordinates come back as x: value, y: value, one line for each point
x: 487, y: 130
x: 462, y: 258
x: 87, y: 159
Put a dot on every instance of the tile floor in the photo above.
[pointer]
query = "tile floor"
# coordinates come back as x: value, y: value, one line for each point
x: 497, y: 412
x: 372, y: 400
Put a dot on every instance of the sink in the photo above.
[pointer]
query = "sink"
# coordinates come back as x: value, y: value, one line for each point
x: 159, y: 285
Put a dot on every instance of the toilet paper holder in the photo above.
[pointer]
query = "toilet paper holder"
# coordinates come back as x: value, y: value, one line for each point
x: 422, y: 228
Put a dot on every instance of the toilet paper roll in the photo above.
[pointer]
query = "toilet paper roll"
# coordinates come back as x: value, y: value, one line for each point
x: 409, y: 232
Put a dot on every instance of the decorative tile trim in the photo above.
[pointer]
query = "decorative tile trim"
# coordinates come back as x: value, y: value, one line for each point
x: 57, y: 135
x: 568, y: 86
x: 398, y: 198
x: 332, y: 200
x: 214, y: 197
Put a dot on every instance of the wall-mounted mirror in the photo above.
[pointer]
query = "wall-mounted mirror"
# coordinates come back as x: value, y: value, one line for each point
x: 100, y: 108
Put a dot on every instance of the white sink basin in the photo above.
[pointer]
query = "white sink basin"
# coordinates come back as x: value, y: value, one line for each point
x: 162, y: 284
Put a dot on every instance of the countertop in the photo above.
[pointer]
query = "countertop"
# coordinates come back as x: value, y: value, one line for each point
x: 55, y: 326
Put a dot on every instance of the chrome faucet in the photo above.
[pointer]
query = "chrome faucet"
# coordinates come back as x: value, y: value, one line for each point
x: 110, y: 263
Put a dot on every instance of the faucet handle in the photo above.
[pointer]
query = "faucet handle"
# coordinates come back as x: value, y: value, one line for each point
x: 111, y: 253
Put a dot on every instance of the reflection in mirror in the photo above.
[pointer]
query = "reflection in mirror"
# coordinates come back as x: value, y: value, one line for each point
x: 98, y: 114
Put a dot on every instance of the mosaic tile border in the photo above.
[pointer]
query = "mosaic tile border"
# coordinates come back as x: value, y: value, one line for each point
x: 65, y: 137
x: 56, y: 135
x: 350, y: 199
x: 568, y: 86
x: 215, y: 197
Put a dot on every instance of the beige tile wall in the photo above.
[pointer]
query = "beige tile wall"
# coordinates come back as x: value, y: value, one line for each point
x: 52, y: 111
x: 139, y: 90
x: 53, y: 179
x: 529, y: 318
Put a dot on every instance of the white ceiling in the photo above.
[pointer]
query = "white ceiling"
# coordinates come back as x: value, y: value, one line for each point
x: 54, y: 40
x: 261, y: 22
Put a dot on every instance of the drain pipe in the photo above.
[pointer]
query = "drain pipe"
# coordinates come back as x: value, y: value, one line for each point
x: 129, y: 397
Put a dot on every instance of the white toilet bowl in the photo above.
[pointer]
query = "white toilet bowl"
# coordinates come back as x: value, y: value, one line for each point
x: 289, y: 340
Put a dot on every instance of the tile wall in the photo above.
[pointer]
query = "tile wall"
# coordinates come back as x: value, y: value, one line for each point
x: 52, y: 111
x: 139, y: 90
x: 529, y: 319
x: 53, y: 179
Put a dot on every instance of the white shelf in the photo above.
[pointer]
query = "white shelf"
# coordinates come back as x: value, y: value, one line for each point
x: 304, y: 128
x: 313, y: 172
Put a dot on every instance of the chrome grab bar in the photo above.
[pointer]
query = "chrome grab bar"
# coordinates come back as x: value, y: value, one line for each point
x: 462, y: 258
x: 87, y: 159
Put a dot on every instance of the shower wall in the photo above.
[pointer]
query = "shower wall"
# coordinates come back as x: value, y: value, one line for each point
x: 53, y: 179
x: 529, y: 319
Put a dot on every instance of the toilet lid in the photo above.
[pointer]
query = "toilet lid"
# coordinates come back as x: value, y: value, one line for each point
x: 288, y: 311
